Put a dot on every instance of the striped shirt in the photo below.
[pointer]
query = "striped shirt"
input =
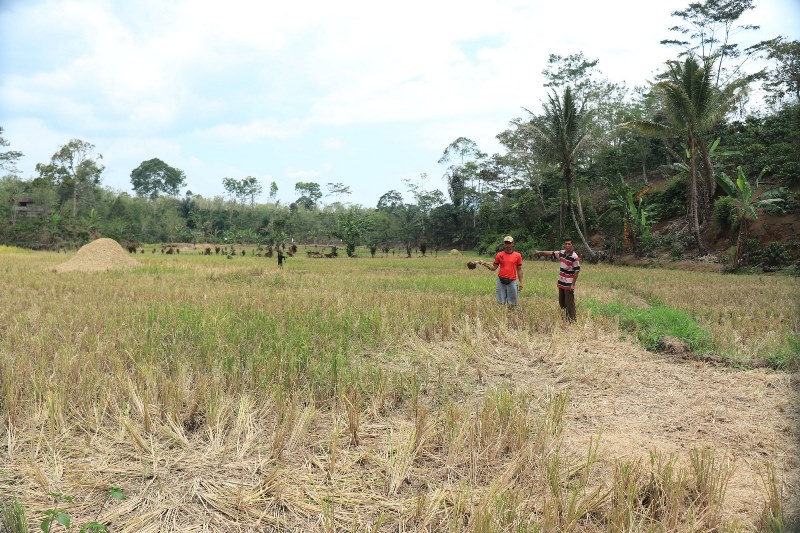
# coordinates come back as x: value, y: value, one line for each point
x: 569, y: 266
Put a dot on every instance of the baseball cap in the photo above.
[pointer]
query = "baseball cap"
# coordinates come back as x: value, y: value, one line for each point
x: 508, y: 238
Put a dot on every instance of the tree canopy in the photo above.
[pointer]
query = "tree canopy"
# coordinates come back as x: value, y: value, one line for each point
x: 154, y: 177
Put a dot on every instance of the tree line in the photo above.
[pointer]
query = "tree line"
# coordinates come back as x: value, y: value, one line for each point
x: 584, y: 164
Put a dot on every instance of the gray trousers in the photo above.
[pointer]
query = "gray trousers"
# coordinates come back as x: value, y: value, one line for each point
x: 506, y: 294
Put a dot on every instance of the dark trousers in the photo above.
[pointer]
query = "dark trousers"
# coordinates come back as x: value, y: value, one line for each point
x: 566, y: 301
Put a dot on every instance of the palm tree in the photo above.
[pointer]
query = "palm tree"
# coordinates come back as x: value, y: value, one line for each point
x: 564, y: 132
x: 692, y: 106
x: 745, y: 204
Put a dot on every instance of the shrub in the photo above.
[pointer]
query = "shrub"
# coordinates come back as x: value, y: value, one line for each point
x: 523, y: 243
x: 752, y: 252
x: 725, y: 212
x: 671, y: 202
x: 775, y: 254
x: 687, y: 241
x: 727, y: 256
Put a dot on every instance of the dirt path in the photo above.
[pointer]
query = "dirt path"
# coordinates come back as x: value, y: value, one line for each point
x: 643, y: 402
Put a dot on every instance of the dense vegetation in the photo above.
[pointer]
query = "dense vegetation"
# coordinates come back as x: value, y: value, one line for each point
x: 598, y: 161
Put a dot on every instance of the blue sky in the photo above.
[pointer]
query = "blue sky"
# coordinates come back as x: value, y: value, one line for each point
x: 364, y: 93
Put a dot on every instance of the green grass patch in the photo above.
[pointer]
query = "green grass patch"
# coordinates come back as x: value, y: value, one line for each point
x: 788, y: 357
x: 651, y: 324
x: 12, y: 250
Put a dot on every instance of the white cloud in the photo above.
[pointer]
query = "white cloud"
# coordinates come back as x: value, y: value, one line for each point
x: 332, y: 144
x: 438, y: 135
x: 302, y: 174
x: 252, y: 131
x: 270, y: 83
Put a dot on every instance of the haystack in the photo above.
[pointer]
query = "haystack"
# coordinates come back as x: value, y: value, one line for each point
x: 97, y: 256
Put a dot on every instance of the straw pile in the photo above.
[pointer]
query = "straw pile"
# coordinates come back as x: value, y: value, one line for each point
x: 97, y: 256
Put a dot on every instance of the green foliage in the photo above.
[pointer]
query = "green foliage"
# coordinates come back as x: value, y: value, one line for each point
x: 784, y: 80
x: 725, y: 213
x: 352, y: 227
x: 633, y: 218
x: 651, y: 324
x: 760, y: 141
x: 788, y: 357
x: 775, y: 254
x: 671, y: 202
x: 8, y: 158
x: 745, y: 201
x: 75, y: 172
x: 752, y: 252
x: 154, y: 177
x: 12, y: 517
x: 59, y: 516
x: 14, y: 520
x: 707, y: 30
x: 524, y: 243
x: 310, y: 193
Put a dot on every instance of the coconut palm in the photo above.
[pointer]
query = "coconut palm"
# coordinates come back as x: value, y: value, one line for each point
x: 745, y: 203
x: 563, y: 132
x: 692, y: 106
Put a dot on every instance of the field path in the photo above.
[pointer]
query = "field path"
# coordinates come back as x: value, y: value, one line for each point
x: 647, y: 402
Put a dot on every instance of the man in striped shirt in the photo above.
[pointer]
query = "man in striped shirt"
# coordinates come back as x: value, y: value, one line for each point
x: 569, y: 268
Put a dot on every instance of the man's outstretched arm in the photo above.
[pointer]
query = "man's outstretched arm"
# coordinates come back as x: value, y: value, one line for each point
x: 490, y: 266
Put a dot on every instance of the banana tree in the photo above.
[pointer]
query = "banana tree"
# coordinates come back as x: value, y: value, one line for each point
x: 745, y: 203
x: 628, y: 207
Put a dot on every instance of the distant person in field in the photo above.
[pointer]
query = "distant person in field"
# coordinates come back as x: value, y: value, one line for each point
x: 509, y: 279
x: 281, y: 258
x: 569, y: 268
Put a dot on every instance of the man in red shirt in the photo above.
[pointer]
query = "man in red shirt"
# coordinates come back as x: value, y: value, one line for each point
x: 569, y: 268
x: 509, y: 279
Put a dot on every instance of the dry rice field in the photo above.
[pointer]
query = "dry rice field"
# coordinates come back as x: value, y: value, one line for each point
x: 389, y: 394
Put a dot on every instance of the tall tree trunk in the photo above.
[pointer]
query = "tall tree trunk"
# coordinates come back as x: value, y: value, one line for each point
x: 575, y: 219
x: 561, y: 219
x: 699, y: 180
x: 693, y: 200
x: 740, y: 239
x: 710, y: 180
x: 580, y: 210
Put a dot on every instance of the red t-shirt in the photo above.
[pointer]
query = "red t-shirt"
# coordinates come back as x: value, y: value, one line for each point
x: 508, y: 264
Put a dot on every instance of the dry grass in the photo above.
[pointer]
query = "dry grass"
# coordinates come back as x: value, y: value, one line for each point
x: 223, y: 395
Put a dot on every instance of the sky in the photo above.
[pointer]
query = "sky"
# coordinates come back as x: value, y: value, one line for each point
x: 363, y: 93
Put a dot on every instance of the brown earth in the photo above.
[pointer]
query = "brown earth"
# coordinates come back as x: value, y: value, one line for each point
x: 780, y: 228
